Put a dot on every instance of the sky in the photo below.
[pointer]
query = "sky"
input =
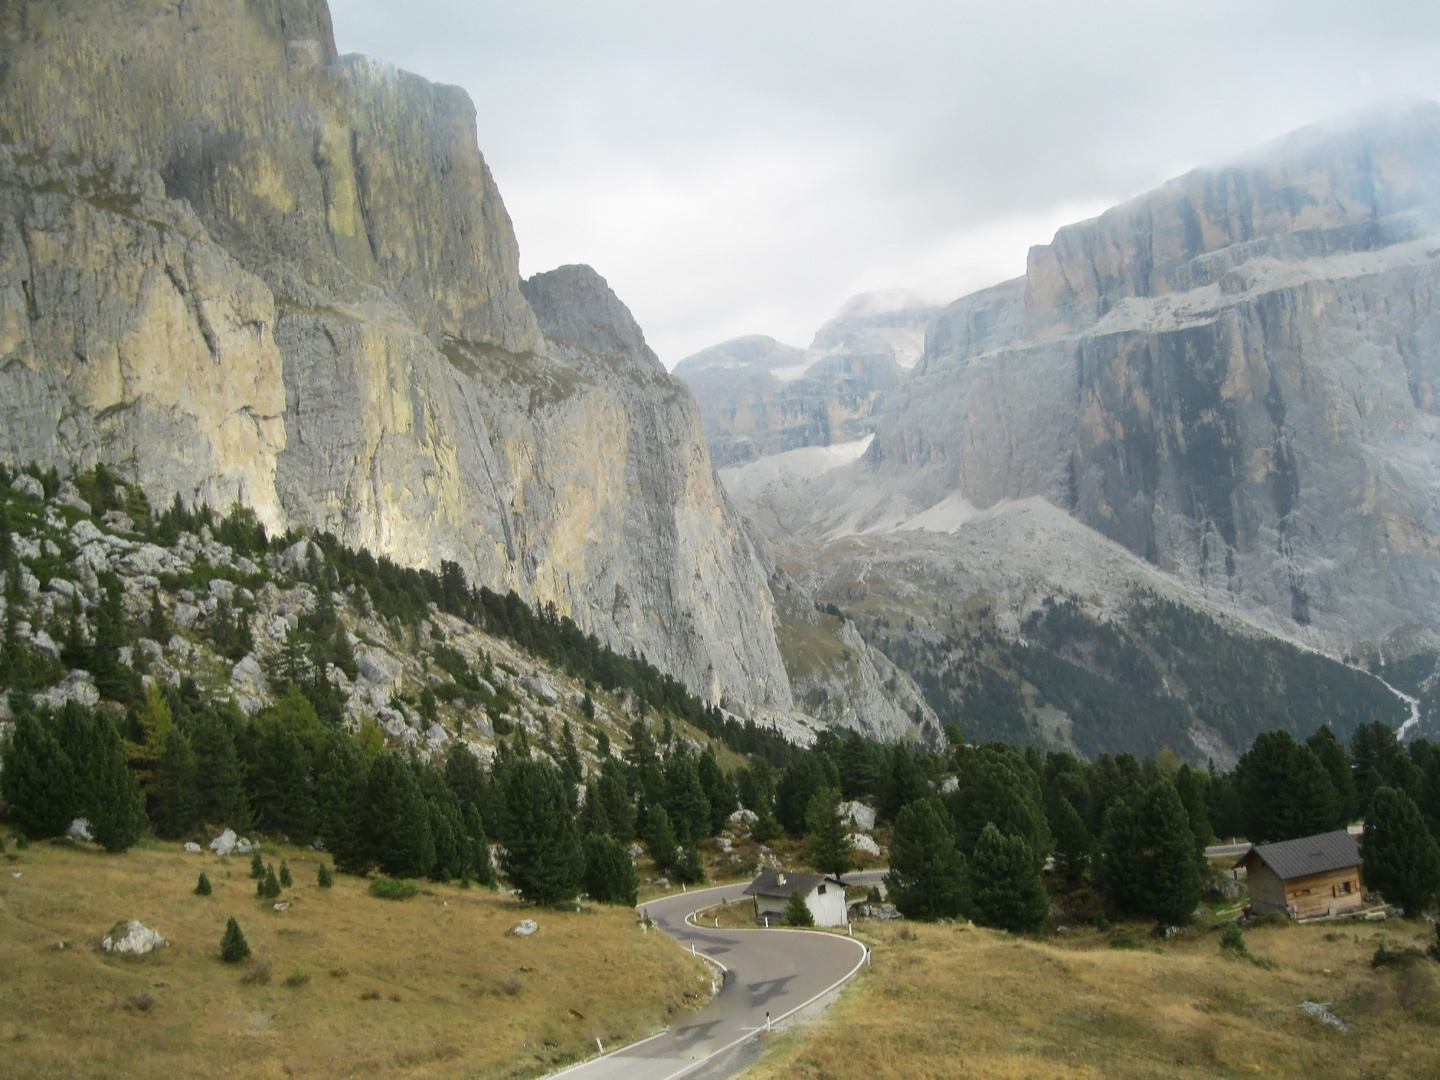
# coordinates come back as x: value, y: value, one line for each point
x: 736, y: 167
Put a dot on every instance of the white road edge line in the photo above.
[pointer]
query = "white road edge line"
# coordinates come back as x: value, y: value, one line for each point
x: 864, y: 955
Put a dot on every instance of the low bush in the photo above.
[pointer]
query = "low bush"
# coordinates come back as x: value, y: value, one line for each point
x: 258, y: 975
x: 1401, y: 958
x: 325, y: 878
x: 1232, y: 938
x: 393, y: 888
x: 297, y: 979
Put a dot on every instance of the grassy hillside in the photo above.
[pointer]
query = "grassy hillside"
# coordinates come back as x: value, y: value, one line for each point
x: 434, y: 986
x: 956, y: 1001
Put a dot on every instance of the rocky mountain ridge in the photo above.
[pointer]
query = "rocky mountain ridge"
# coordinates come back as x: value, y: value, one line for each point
x: 240, y: 267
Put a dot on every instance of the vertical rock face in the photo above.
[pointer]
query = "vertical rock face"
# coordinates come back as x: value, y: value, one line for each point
x: 1233, y: 376
x: 287, y: 278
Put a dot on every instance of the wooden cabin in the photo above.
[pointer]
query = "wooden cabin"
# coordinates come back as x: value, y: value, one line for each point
x: 824, y: 896
x: 1308, y: 878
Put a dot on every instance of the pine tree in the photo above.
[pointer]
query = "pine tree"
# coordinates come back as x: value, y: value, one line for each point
x: 479, y: 860
x: 1005, y: 888
x: 609, y: 873
x: 398, y: 819
x: 286, y: 881
x: 1332, y: 755
x: 37, y: 778
x: 687, y: 869
x: 927, y: 873
x: 1073, y: 843
x: 218, y: 780
x: 116, y: 805
x: 827, y: 843
x: 283, y: 792
x: 157, y: 625
x: 202, y: 886
x: 233, y: 946
x: 465, y: 777
x: 570, y: 756
x: 112, y: 679
x: 661, y: 841
x: 1172, y: 864
x: 447, y: 831
x: 719, y: 790
x: 619, y: 805
x: 593, y: 819
x: 177, y: 798
x: 797, y: 912
x: 340, y: 785
x: 1401, y: 858
x: 324, y: 878
x: 542, y: 857
x: 269, y: 886
x: 685, y: 797
x: 257, y: 866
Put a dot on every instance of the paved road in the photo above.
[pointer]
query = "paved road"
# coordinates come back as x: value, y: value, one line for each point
x: 767, y: 971
x: 1216, y: 850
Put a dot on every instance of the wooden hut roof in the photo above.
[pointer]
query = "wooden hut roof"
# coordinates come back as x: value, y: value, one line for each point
x: 1309, y: 855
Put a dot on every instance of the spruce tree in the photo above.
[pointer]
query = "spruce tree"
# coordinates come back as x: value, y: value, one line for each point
x: 177, y: 798
x: 283, y: 792
x: 398, y: 819
x: 661, y: 841
x: 685, y: 797
x: 927, y: 873
x: 340, y: 785
x: 1401, y: 858
x: 619, y: 805
x: 447, y: 831
x: 609, y: 873
x: 827, y: 842
x: 116, y: 806
x: 1121, y: 869
x: 465, y: 776
x: 542, y: 857
x: 481, y: 866
x: 1172, y: 865
x: 218, y: 778
x: 37, y: 778
x: 157, y: 625
x: 1333, y: 756
x: 257, y: 866
x: 997, y: 786
x: 202, y: 886
x: 570, y: 762
x: 233, y: 946
x: 1005, y: 888
x: 719, y: 790
x: 286, y: 881
x: 114, y: 681
x: 268, y: 888
x: 324, y: 878
x: 1073, y: 843
x: 593, y: 819
x: 797, y: 912
x: 687, y: 869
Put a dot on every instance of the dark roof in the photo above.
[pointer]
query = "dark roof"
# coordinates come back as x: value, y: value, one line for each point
x: 1309, y: 855
x: 782, y: 883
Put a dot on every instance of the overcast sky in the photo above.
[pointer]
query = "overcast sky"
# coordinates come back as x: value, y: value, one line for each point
x: 745, y: 167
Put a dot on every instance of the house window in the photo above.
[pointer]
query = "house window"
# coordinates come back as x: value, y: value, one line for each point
x: 821, y: 890
x: 1344, y: 888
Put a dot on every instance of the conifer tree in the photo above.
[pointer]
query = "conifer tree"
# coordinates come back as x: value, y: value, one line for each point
x: 283, y: 797
x: 685, y: 799
x: 609, y: 873
x: 797, y: 912
x: 447, y: 831
x: 542, y: 857
x: 268, y: 886
x: 177, y: 798
x: 1401, y: 858
x: 570, y: 756
x: 619, y: 806
x: 593, y: 819
x: 218, y: 779
x: 687, y: 869
x: 398, y: 819
x: 286, y: 881
x: 202, y: 886
x: 465, y: 777
x: 827, y: 842
x: 661, y: 841
x: 719, y: 790
x: 324, y: 878
x: 1333, y: 756
x: 112, y: 679
x: 479, y: 860
x: 157, y: 624
x: 927, y: 873
x: 1172, y: 863
x: 341, y: 792
x: 1005, y: 888
x: 116, y: 805
x: 1073, y: 842
x: 233, y: 946
x: 37, y: 778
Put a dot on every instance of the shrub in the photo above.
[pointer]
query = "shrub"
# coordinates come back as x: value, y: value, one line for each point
x: 297, y: 979
x: 1402, y: 958
x: 257, y: 866
x: 233, y: 946
x: 1273, y: 919
x: 258, y: 975
x: 286, y: 881
x: 370, y: 995
x: 392, y: 888
x: 797, y: 913
x: 325, y: 877
x: 202, y: 886
x: 141, y: 1002
x: 269, y: 886
x: 1232, y: 938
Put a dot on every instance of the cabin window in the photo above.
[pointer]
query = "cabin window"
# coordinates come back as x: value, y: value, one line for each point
x: 821, y: 890
x: 1345, y: 888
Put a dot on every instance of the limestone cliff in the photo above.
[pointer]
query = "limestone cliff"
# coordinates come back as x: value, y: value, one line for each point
x: 286, y: 277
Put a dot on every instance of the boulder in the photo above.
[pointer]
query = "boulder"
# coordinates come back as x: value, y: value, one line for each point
x: 541, y: 690
x: 69, y: 495
x: 133, y: 938
x: 79, y: 829
x: 28, y: 485
x: 77, y: 686
x: 744, y: 817
x: 221, y: 589
x: 41, y: 642
x: 526, y: 928
x: 294, y: 559
x: 859, y: 815
x: 185, y: 616
x: 865, y: 844
x: 192, y: 848
x: 118, y: 520
x: 378, y: 667
x: 247, y: 678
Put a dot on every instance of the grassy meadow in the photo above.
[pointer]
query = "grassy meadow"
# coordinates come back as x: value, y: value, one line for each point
x: 340, y: 984
x: 945, y: 1001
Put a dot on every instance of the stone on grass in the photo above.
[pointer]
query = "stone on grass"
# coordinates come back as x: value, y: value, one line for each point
x: 1324, y: 1015
x: 28, y: 485
x: 859, y: 815
x: 79, y: 829
x: 133, y: 938
x: 864, y: 844
x: 192, y: 848
x: 526, y: 928
x: 744, y: 817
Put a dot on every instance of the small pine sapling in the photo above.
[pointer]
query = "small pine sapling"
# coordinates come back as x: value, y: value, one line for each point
x: 269, y: 886
x: 325, y: 877
x: 233, y: 946
x: 286, y: 881
x: 202, y: 887
x: 797, y: 912
x: 257, y: 866
x: 1232, y: 938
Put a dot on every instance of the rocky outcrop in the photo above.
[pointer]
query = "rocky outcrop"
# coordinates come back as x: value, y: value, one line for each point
x: 286, y: 278
x: 760, y: 397
x: 1233, y: 376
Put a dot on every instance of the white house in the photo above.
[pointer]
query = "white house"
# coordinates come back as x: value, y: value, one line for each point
x: 824, y: 896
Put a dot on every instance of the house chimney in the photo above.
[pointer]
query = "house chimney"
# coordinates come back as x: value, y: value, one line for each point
x: 780, y: 879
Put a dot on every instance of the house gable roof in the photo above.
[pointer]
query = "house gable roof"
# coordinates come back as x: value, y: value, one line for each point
x: 781, y: 883
x: 1309, y: 855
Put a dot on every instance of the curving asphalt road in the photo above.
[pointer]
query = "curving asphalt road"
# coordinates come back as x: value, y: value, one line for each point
x: 767, y: 973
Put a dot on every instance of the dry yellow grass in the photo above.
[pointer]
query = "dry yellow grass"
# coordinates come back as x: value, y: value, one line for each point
x: 434, y: 986
x: 961, y: 1002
